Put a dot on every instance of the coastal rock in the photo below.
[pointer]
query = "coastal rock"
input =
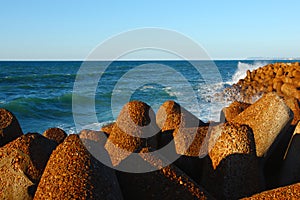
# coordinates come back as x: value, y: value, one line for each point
x: 189, y: 144
x: 233, y: 110
x: 9, y: 127
x: 24, y: 158
x: 191, y: 165
x: 232, y: 163
x: 107, y: 128
x: 135, y: 129
x: 268, y: 117
x: 97, y: 136
x: 290, y: 172
x: 166, y: 183
x: 56, y: 134
x: 190, y: 141
x: 164, y: 138
x: 277, y: 83
x: 287, y: 192
x: 13, y: 181
x: 171, y: 116
x: 192, y: 145
x: 270, y: 120
x: 296, y: 81
x: 73, y: 173
x: 37, y: 148
x: 94, y: 142
x: 294, y: 105
x: 296, y: 73
x: 290, y: 90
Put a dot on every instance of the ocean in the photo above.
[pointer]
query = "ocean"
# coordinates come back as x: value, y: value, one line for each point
x: 41, y: 93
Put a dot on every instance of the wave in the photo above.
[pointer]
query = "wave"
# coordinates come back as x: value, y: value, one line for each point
x: 171, y: 91
x: 67, y: 128
x: 147, y: 87
x: 242, y: 69
x: 35, y: 106
x: 97, y: 126
x: 36, y: 77
x: 211, y: 105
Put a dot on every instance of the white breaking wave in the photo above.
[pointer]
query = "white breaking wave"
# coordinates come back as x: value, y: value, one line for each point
x: 212, y: 107
x: 146, y: 87
x: 173, y: 92
x: 69, y: 130
x: 242, y: 69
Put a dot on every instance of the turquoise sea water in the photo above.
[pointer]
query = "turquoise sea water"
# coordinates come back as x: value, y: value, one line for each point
x: 40, y: 93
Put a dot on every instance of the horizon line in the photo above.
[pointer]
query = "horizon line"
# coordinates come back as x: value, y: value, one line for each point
x: 82, y: 60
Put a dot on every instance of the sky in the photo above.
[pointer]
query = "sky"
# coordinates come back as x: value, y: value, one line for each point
x: 70, y: 30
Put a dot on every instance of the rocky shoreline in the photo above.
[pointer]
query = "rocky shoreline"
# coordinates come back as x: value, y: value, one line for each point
x: 252, y: 153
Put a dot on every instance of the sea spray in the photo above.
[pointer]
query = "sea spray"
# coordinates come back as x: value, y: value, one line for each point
x: 242, y: 69
x: 217, y: 104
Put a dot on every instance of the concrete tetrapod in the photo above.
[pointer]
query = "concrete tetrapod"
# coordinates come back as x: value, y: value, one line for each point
x: 287, y: 192
x: 134, y: 129
x: 232, y: 163
x: 268, y: 117
x: 56, y: 134
x: 22, y: 163
x: 166, y: 183
x: 73, y: 173
x: 290, y: 172
x: 9, y: 127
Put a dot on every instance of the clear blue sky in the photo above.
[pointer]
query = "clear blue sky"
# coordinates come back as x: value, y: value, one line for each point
x: 61, y: 29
